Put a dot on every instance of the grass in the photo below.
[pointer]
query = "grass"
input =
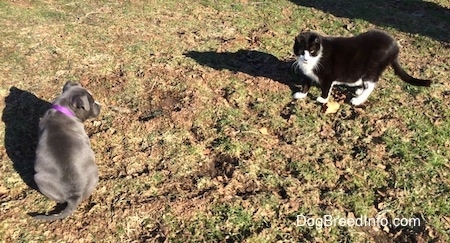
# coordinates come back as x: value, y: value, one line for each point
x: 198, y: 138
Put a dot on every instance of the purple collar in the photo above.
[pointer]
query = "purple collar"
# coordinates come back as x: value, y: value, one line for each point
x: 63, y: 110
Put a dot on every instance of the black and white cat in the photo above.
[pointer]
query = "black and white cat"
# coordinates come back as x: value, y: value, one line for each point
x: 354, y: 61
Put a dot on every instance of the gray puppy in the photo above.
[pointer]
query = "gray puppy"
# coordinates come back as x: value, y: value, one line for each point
x: 64, y: 166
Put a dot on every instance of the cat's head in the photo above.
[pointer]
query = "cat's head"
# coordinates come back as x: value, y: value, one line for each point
x: 308, y: 46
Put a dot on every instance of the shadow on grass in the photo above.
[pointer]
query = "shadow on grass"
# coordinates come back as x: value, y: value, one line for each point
x: 415, y: 17
x: 254, y: 63
x: 21, y: 117
x: 58, y: 208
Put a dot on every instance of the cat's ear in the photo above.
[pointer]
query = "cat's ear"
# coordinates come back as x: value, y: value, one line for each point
x: 317, y: 40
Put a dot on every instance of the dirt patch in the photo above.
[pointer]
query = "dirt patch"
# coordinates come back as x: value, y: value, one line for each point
x: 224, y: 166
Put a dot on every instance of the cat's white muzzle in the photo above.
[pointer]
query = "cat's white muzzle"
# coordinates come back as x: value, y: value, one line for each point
x: 305, y: 57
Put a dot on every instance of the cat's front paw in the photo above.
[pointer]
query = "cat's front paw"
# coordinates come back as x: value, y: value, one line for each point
x: 299, y: 95
x: 322, y: 100
x: 356, y: 101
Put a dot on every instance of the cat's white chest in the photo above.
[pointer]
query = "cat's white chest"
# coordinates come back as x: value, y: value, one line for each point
x: 309, y: 65
x: 308, y: 70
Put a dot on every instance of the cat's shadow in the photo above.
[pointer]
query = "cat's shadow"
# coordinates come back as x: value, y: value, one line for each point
x: 254, y: 63
x: 21, y: 117
x: 257, y: 64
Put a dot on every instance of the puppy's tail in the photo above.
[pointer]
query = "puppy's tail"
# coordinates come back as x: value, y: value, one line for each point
x: 72, y: 204
x: 399, y: 71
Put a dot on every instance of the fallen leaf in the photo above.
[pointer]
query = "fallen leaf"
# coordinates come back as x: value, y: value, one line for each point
x: 263, y: 131
x: 332, y: 107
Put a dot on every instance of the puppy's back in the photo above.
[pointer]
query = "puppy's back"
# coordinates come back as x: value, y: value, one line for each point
x: 65, y: 167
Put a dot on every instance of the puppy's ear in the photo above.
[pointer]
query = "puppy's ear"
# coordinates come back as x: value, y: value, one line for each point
x: 69, y: 84
x: 81, y: 101
x: 96, y: 109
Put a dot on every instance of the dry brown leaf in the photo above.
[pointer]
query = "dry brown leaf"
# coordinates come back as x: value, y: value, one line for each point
x: 263, y: 131
x: 332, y: 107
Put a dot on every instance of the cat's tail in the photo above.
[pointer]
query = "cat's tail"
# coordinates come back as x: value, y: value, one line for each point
x: 399, y: 71
x: 72, y: 204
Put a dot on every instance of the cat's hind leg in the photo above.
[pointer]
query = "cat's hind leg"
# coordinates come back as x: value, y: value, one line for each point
x: 359, y: 91
x: 362, y: 97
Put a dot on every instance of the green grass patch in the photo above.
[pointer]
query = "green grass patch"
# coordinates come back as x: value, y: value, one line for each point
x: 199, y: 138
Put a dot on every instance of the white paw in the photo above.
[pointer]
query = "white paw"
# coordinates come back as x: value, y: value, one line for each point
x: 359, y: 91
x: 355, y: 101
x: 322, y: 100
x: 299, y: 95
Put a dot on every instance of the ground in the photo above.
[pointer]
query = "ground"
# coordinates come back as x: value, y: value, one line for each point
x: 199, y: 138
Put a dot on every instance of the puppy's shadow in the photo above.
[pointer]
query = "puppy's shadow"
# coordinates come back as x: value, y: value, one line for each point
x: 21, y: 117
x: 254, y: 63
x: 56, y: 210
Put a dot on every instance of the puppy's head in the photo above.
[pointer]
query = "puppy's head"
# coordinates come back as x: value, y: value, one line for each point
x: 79, y: 100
